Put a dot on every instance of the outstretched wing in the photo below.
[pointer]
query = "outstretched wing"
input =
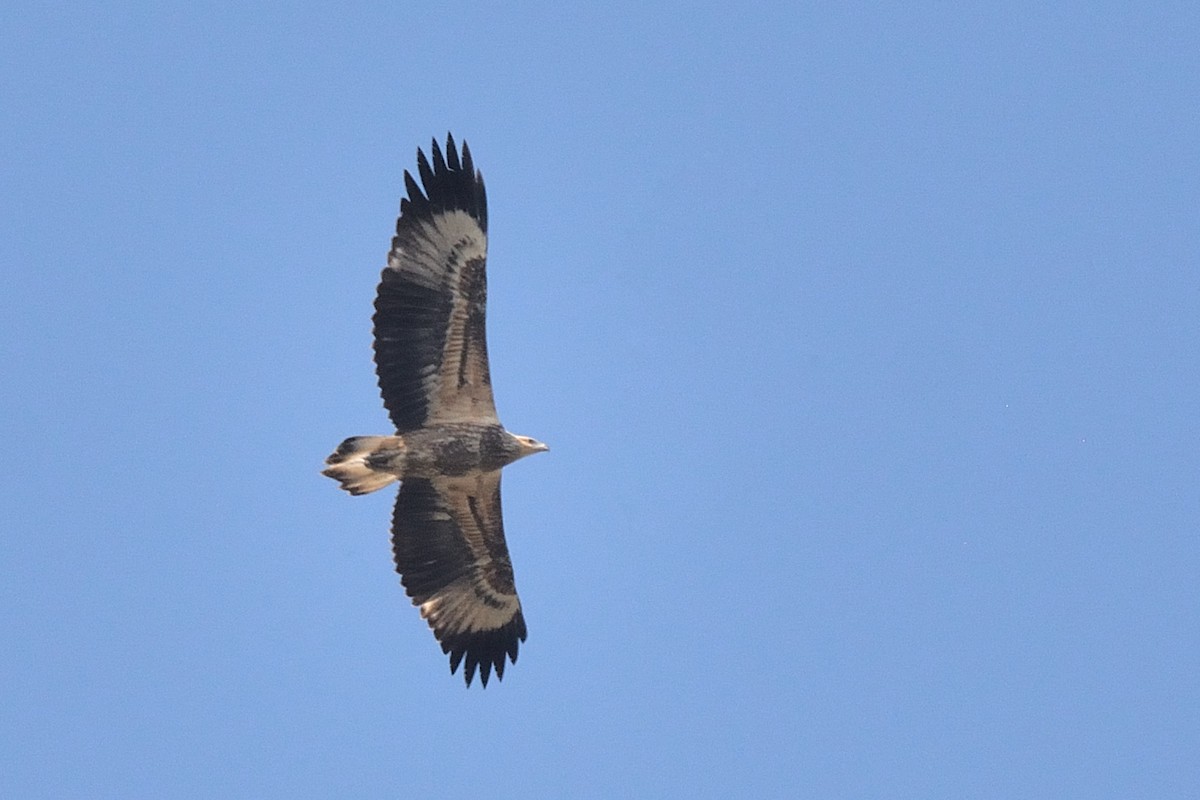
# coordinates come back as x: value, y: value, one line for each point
x: 448, y: 543
x: 430, y: 313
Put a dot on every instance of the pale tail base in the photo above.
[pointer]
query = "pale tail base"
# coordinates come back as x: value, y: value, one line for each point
x: 349, y: 464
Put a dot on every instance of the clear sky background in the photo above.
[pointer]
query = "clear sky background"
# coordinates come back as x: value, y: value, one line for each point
x: 864, y: 336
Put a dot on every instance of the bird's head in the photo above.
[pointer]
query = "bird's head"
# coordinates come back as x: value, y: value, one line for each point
x: 528, y: 446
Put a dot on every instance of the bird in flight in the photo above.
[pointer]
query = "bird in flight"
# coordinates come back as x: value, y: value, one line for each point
x: 449, y: 446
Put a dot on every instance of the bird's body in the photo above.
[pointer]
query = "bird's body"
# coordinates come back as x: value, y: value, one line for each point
x: 449, y: 446
x: 449, y: 450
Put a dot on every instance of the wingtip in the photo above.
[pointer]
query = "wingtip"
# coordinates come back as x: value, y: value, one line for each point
x: 448, y: 181
x: 490, y: 654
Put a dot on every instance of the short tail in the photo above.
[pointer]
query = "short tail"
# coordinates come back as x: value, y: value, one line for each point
x: 351, y: 466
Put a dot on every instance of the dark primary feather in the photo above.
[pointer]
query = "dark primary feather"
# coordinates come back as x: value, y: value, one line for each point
x: 485, y: 649
x: 449, y: 548
x: 449, y: 185
x: 421, y: 289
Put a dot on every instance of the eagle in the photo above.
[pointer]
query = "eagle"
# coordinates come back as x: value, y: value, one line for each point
x: 449, y: 446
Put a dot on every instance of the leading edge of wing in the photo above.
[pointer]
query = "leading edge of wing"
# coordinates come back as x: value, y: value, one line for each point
x: 449, y: 548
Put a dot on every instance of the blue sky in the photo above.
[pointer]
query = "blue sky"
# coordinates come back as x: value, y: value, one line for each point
x: 864, y: 337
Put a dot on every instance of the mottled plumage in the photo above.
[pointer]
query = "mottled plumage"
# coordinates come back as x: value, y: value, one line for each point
x: 449, y: 447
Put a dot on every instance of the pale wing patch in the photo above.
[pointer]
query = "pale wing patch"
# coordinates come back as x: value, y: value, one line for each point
x: 432, y: 252
x: 458, y: 610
